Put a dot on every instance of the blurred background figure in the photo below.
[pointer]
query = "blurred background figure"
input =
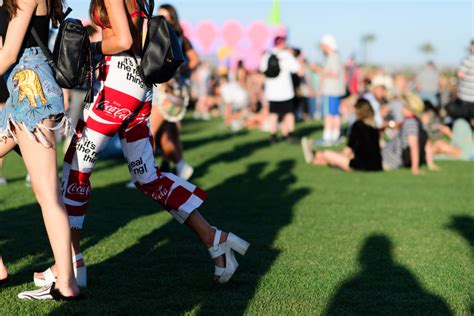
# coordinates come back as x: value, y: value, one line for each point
x: 332, y: 89
x: 427, y: 82
x: 278, y: 65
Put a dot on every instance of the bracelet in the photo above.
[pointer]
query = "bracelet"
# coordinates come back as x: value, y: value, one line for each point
x: 96, y: 48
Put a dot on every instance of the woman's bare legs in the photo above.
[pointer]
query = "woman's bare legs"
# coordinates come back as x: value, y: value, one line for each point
x: 3, y: 270
x: 445, y: 148
x: 332, y: 158
x: 41, y: 165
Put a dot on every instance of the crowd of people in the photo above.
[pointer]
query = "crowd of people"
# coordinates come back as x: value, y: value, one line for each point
x: 417, y: 116
x: 390, y: 121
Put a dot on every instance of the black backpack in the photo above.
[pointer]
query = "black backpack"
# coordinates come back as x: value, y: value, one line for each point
x: 273, y: 67
x: 162, y: 51
x: 71, y: 59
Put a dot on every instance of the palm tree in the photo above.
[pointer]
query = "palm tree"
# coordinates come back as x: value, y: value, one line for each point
x: 427, y: 49
x: 367, y: 39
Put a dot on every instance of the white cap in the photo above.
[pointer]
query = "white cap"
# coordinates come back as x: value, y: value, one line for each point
x: 381, y: 81
x: 329, y: 40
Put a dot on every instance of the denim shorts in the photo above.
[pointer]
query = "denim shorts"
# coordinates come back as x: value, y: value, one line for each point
x: 34, y: 95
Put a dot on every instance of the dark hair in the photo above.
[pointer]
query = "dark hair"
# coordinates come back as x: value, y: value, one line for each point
x: 363, y: 110
x: 54, y: 8
x: 174, y: 19
x: 278, y: 40
x: 97, y: 11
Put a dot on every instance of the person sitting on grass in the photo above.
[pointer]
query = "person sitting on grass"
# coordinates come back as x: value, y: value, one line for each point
x: 411, y: 146
x: 362, y: 151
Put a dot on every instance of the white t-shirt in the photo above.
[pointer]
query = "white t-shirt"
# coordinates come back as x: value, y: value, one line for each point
x: 280, y: 88
x: 376, y: 107
x: 330, y: 86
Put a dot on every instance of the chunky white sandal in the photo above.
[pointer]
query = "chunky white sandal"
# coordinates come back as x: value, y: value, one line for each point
x: 227, y: 248
x: 80, y: 274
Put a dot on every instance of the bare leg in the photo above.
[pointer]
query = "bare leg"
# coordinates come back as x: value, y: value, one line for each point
x: 3, y: 270
x: 429, y: 157
x: 288, y: 124
x: 444, y: 148
x: 42, y: 167
x: 337, y: 159
x: 205, y: 232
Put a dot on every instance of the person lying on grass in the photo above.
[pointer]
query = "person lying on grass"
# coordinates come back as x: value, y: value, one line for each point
x: 362, y: 151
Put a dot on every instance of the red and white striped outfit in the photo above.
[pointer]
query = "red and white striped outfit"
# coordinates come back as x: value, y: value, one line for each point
x: 122, y: 104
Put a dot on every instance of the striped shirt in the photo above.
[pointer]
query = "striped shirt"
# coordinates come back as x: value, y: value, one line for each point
x: 466, y: 84
x: 392, y: 152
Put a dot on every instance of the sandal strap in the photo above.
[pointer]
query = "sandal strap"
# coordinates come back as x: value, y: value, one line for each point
x: 49, y: 275
x: 218, y: 271
x: 77, y: 257
x: 216, y: 250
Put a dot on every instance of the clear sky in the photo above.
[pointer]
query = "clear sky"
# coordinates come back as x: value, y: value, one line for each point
x: 400, y: 26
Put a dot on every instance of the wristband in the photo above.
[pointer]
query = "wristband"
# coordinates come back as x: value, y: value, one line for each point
x: 96, y: 48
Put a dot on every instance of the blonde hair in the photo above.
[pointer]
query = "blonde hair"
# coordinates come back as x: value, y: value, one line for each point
x: 413, y: 103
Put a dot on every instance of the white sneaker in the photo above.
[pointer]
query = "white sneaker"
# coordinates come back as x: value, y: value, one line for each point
x: 28, y: 180
x: 184, y: 172
x: 307, y: 152
x: 131, y: 185
x: 3, y: 181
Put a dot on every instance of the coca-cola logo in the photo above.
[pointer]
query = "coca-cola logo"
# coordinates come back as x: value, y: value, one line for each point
x: 75, y: 188
x: 115, y: 111
x: 160, y: 193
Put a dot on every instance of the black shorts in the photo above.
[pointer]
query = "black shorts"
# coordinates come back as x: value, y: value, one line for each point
x: 3, y: 91
x: 282, y: 108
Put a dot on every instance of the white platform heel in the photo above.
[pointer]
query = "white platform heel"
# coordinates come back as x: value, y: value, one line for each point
x: 227, y: 248
x: 80, y: 274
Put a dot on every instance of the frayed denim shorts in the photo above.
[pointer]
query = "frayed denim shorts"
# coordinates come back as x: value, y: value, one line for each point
x: 34, y: 96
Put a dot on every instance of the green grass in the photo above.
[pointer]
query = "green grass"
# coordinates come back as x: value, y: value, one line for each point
x: 323, y: 241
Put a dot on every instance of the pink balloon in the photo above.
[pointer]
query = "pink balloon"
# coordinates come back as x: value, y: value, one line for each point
x: 254, y: 57
x: 259, y: 34
x: 206, y: 33
x: 232, y: 33
x: 187, y: 29
x: 280, y: 31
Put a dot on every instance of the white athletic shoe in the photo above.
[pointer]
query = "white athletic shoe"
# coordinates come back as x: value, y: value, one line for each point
x: 131, y: 185
x: 184, y: 172
x: 307, y: 152
x: 3, y: 181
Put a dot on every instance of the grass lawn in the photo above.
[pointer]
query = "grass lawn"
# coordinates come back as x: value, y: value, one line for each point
x: 323, y: 241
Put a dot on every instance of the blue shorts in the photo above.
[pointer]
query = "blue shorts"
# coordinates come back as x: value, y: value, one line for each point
x: 331, y: 105
x: 34, y: 94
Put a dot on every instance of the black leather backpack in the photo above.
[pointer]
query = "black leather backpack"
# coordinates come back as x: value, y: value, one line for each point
x: 162, y: 51
x: 71, y: 59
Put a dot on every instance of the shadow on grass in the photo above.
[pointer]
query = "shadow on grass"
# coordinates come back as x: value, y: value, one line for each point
x: 23, y: 234
x: 169, y: 271
x: 382, y: 287
x: 464, y: 225
x: 238, y: 152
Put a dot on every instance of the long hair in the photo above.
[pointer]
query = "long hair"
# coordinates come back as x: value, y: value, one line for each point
x: 54, y: 8
x: 174, y: 19
x: 97, y: 10
x: 364, y: 111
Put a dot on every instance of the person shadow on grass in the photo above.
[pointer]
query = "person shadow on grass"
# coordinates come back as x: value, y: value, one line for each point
x: 168, y: 271
x: 383, y: 287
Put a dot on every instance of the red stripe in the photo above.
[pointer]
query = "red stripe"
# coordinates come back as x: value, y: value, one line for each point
x: 76, y: 210
x: 71, y: 150
x: 177, y: 198
x: 200, y: 193
x: 138, y: 132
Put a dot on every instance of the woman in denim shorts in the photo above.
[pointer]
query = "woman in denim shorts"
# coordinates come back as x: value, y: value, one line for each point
x: 29, y: 118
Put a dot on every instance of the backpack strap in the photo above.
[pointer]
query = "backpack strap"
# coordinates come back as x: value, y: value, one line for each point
x: 44, y: 48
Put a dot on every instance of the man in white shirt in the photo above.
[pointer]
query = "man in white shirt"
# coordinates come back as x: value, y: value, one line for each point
x: 333, y: 88
x: 279, y: 90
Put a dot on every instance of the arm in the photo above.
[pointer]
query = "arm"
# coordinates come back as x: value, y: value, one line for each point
x: 121, y: 39
x: 414, y: 154
x: 193, y: 59
x: 16, y: 33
